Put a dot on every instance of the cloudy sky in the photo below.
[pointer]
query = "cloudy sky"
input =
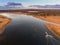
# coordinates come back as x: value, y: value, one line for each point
x: 31, y: 2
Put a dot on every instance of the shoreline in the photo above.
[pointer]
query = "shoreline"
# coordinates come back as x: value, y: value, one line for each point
x: 54, y: 19
x: 53, y: 30
x: 4, y: 21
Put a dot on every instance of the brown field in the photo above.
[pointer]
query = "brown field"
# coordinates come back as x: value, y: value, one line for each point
x: 16, y: 12
x: 54, y: 19
x: 3, y: 22
x: 54, y: 29
x: 39, y: 11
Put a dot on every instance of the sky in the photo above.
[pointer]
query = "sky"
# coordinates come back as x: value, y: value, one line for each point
x: 31, y: 2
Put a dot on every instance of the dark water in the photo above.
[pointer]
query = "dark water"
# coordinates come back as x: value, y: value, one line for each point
x: 25, y: 30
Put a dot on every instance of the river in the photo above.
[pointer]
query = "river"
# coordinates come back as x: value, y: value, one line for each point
x: 27, y: 30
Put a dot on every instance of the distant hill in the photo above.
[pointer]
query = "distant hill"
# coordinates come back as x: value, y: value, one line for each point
x: 18, y: 6
x: 11, y: 5
x: 45, y: 6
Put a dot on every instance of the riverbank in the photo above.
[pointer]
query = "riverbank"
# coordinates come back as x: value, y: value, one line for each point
x: 4, y: 21
x: 54, y: 19
x: 54, y: 29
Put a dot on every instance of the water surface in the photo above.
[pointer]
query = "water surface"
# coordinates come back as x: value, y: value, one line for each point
x: 25, y: 30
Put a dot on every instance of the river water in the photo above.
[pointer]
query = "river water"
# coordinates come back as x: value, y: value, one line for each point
x: 25, y: 30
